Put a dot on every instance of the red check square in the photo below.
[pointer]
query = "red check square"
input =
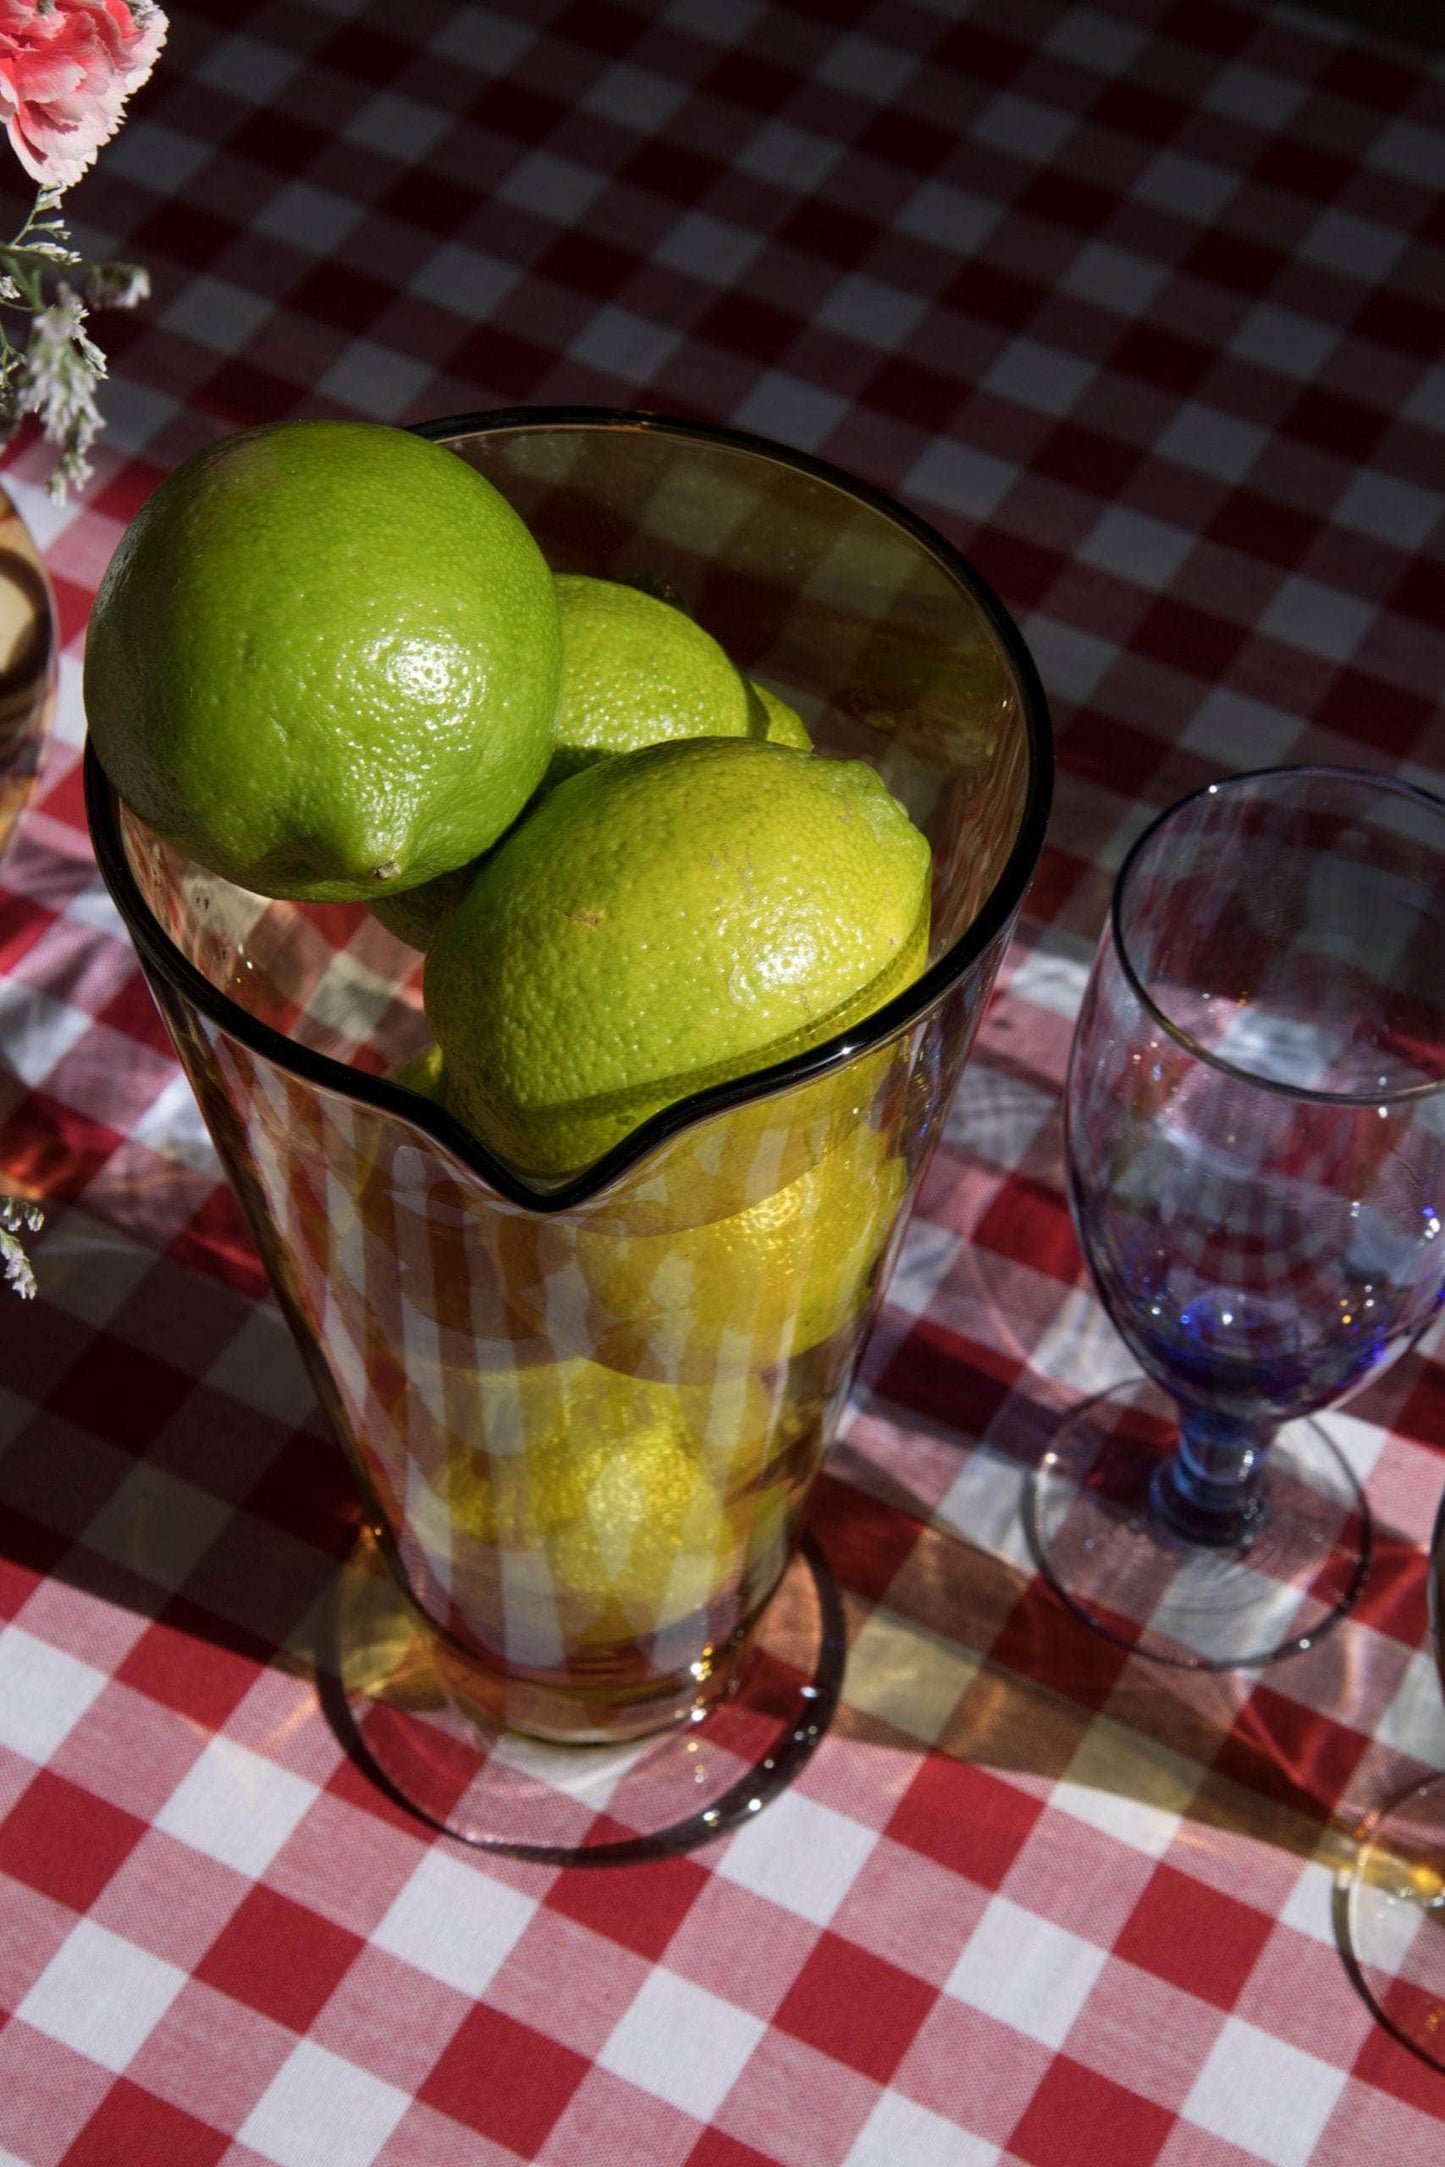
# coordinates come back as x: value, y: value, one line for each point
x: 133, y: 2126
x: 120, y: 1394
x: 279, y: 1957
x: 855, y: 2006
x: 714, y: 2148
x: 964, y: 1818
x: 189, y: 1673
x: 1078, y: 2115
x: 504, y: 2080
x: 65, y: 1841
x: 1194, y: 1936
x: 641, y: 1910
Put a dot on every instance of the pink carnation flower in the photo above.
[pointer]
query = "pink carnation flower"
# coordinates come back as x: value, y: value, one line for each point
x: 66, y: 70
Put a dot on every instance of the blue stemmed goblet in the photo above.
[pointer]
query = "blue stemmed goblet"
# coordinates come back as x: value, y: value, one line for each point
x: 1255, y: 1119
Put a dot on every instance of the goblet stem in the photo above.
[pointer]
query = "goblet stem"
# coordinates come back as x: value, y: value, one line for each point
x: 1213, y: 1490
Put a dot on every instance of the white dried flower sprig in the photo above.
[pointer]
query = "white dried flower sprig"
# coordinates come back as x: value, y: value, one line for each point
x: 18, y: 1217
x: 53, y: 368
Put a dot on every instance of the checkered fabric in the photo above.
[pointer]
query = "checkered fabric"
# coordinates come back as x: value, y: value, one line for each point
x: 1141, y: 301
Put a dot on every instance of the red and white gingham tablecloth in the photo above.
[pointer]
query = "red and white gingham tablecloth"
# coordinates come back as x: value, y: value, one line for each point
x: 1143, y: 301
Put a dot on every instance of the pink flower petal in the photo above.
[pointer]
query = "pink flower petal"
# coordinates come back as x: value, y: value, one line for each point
x: 65, y: 76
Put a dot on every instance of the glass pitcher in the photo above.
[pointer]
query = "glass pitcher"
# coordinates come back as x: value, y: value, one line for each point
x: 585, y: 1417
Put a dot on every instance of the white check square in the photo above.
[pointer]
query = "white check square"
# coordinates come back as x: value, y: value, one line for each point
x: 172, y: 1126
x: 455, y: 1923
x: 1414, y: 1721
x: 949, y: 217
x: 682, y: 2044
x: 1114, y: 277
x: 792, y: 156
x: 1071, y: 661
x: 480, y: 38
x: 1026, y: 1971
x: 43, y: 1693
x: 1262, y: 2094
x: 963, y: 480
x: 624, y: 344
x: 872, y: 312
x: 247, y: 68
x: 1310, y: 1906
x: 1186, y: 185
x: 321, y: 2111
x: 467, y: 281
x: 800, y: 1855
x: 101, y: 1996
x: 556, y: 188
x: 1096, y: 41
x: 236, y: 1806
x: 1038, y: 376
x: 261, y: 1368
x: 157, y: 1525
x: 910, y: 1677
x: 1426, y: 404
x: 784, y: 406
x: 308, y: 217
x: 727, y: 24
x: 637, y: 98
x: 1024, y: 126
x: 216, y: 314
x: 374, y: 378
x: 1416, y: 153
x: 1240, y: 732
x: 1209, y: 441
x: 161, y: 158
x: 1149, y: 551
x: 1134, y: 1791
x: 1359, y: 246
x: 984, y: 1504
x: 865, y: 67
x: 1323, y: 620
x: 1392, y: 510
x: 1256, y: 95
x: 399, y: 126
x: 899, y: 2130
x: 708, y: 248
x: 1280, y: 339
x: 923, y: 1264
x: 37, y: 1030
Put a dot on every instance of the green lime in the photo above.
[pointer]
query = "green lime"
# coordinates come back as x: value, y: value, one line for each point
x: 665, y: 920
x: 414, y: 915
x: 784, y: 725
x: 637, y: 671
x: 424, y: 1073
x: 324, y: 661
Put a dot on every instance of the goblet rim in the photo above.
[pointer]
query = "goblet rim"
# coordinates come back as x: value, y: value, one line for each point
x: 160, y: 955
x: 1398, y: 1095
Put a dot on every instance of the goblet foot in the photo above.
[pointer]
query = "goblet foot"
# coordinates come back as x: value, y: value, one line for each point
x: 1101, y: 1543
x: 1394, y: 1923
x: 400, y: 1714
